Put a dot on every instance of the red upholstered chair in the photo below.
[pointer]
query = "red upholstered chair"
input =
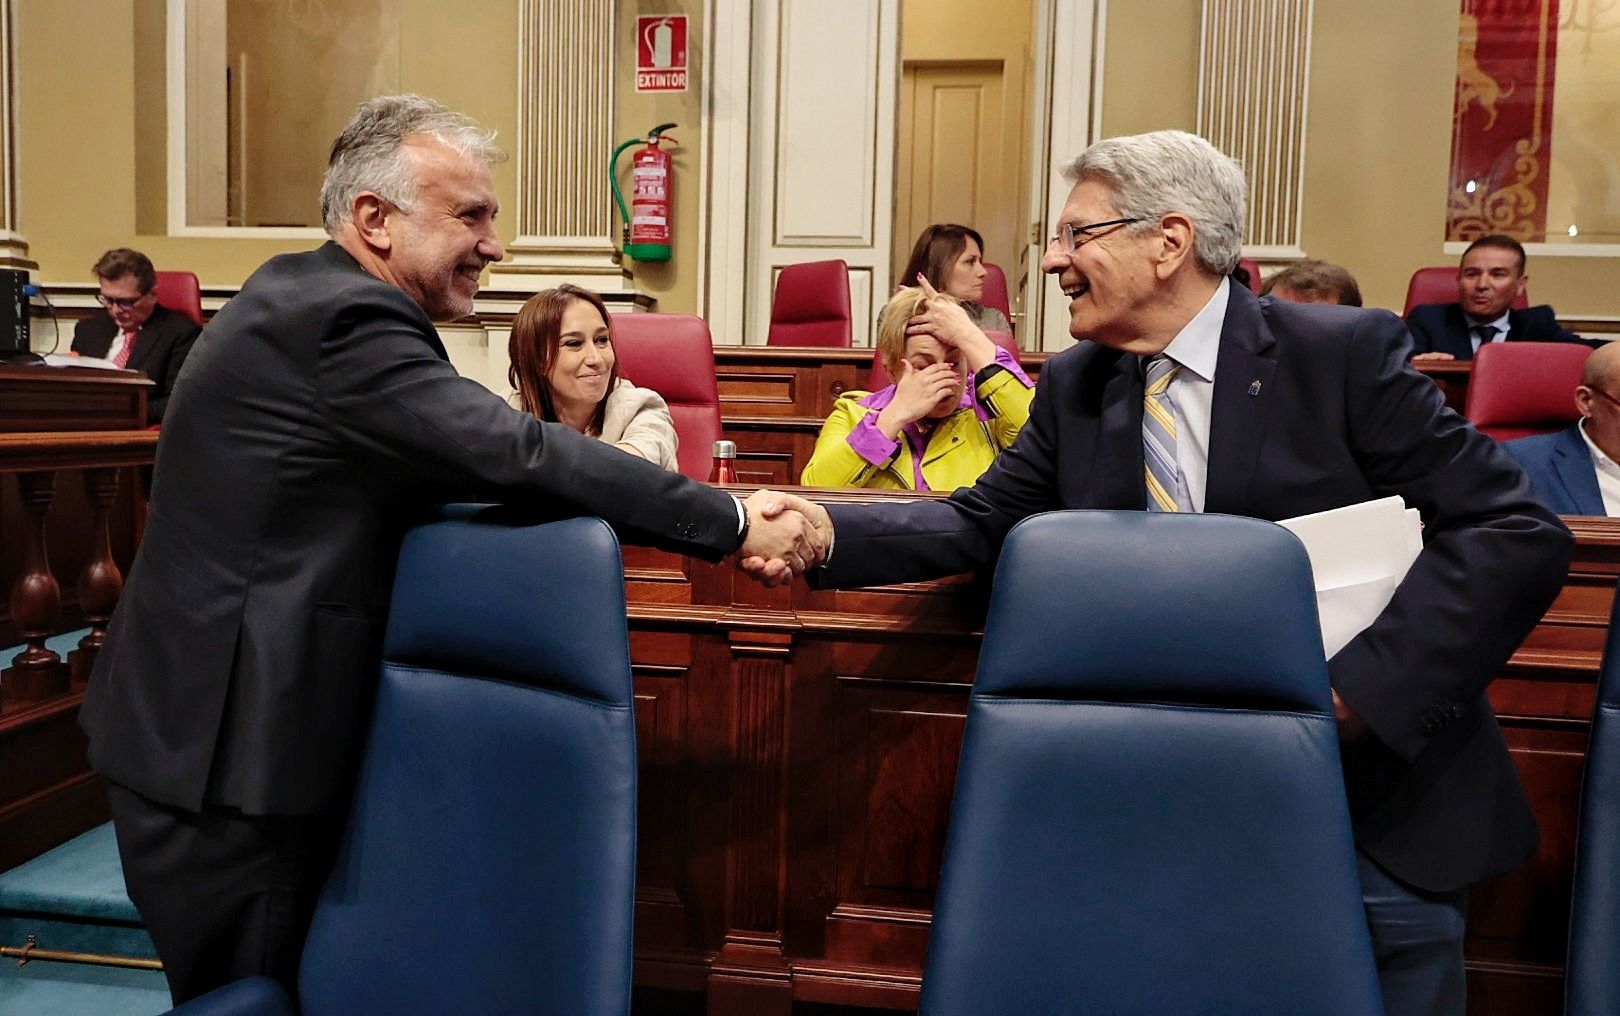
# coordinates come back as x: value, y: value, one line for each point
x: 995, y: 290
x: 880, y: 374
x: 1251, y: 266
x: 673, y: 355
x: 1523, y: 388
x: 811, y: 306
x: 180, y: 292
x: 1439, y: 285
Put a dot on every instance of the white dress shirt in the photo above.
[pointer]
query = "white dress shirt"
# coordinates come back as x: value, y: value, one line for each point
x: 1196, y: 348
x: 1608, y: 474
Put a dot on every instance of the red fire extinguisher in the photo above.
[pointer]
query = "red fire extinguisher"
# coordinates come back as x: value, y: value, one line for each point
x: 647, y: 235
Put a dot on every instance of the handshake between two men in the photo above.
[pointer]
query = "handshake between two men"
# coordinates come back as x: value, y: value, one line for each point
x: 787, y: 535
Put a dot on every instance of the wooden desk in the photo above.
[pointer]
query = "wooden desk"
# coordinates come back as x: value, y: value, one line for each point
x: 773, y: 400
x: 798, y: 755
x: 38, y: 399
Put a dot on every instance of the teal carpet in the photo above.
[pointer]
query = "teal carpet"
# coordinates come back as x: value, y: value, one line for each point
x: 71, y: 989
x: 60, y: 644
x: 72, y: 898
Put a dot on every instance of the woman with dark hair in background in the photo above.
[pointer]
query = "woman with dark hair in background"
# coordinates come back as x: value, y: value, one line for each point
x: 563, y: 370
x: 951, y: 258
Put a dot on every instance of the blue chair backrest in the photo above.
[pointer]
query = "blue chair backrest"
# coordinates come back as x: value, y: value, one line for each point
x: 1149, y: 815
x: 489, y: 863
x: 1592, y: 980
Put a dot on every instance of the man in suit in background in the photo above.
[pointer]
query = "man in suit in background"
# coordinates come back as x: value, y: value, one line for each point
x: 1577, y: 470
x: 1314, y: 282
x: 316, y: 420
x: 1271, y: 409
x: 1489, y: 279
x: 134, y: 331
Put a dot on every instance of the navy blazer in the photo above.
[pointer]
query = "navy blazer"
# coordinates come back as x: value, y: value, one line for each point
x: 1315, y: 407
x: 1561, y: 470
x: 1444, y: 328
x: 160, y: 350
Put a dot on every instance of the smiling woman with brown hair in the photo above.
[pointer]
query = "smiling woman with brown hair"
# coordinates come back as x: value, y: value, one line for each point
x: 563, y: 369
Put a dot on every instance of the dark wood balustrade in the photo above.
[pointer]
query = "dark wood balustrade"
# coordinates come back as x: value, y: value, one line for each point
x: 74, y: 452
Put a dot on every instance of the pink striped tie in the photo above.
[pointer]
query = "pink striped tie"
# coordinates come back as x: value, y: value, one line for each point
x: 122, y: 359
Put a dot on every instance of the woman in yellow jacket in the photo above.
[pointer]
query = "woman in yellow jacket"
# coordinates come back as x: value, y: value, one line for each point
x: 929, y: 430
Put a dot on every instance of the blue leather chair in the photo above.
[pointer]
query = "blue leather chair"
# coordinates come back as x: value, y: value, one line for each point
x: 489, y: 861
x: 1149, y: 815
x: 1592, y: 975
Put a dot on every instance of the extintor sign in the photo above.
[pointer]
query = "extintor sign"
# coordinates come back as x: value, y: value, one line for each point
x: 661, y: 53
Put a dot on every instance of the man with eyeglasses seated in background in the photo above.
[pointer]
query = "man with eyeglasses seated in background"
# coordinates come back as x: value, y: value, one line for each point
x: 134, y: 332
x: 1576, y: 471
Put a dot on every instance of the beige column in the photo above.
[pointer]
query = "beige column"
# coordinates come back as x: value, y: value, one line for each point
x: 1254, y: 62
x: 566, y: 226
x: 13, y: 248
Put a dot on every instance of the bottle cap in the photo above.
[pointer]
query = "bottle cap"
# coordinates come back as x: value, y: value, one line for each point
x: 725, y: 449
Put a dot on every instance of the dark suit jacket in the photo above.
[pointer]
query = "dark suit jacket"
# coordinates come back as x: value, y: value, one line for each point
x: 316, y: 418
x: 1561, y: 470
x: 1339, y: 418
x: 1444, y: 328
x: 160, y: 348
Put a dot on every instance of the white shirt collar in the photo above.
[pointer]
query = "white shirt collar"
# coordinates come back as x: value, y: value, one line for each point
x: 1198, y: 345
x: 1499, y: 325
x: 1598, y: 456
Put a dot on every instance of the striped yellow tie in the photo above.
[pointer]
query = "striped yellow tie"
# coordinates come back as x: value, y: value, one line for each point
x: 1159, y: 436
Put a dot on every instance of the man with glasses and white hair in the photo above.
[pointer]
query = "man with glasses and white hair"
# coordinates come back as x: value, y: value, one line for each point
x: 1187, y: 393
x: 134, y: 331
x: 316, y: 418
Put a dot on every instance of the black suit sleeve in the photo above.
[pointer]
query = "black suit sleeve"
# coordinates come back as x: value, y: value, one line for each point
x: 388, y: 395
x: 1547, y: 328
x: 169, y: 372
x: 1492, y: 561
x: 1423, y: 326
x: 93, y: 336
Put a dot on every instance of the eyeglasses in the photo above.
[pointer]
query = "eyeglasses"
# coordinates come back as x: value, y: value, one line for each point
x: 1599, y: 391
x: 121, y: 302
x: 1071, y: 238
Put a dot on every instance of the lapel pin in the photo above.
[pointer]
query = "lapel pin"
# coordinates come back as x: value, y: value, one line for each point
x: 1254, y: 387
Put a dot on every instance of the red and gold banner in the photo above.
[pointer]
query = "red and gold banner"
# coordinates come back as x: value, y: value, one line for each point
x: 1501, y: 135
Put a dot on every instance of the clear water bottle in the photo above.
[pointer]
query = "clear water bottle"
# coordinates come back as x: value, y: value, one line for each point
x: 725, y: 462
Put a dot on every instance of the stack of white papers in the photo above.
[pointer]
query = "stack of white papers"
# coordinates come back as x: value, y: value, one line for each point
x: 70, y: 360
x: 1359, y: 554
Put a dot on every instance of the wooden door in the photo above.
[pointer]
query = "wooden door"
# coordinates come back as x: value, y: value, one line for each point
x: 956, y: 135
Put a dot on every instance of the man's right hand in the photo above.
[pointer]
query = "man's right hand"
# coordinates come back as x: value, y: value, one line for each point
x: 1432, y: 356
x: 805, y: 518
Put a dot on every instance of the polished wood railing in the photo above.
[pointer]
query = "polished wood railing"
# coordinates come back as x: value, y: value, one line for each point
x: 59, y: 578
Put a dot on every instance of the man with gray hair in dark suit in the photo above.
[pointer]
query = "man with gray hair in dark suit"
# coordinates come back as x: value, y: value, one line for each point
x: 1187, y: 393
x: 315, y: 419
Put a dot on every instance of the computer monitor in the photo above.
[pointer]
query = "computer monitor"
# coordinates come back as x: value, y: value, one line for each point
x: 13, y: 311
